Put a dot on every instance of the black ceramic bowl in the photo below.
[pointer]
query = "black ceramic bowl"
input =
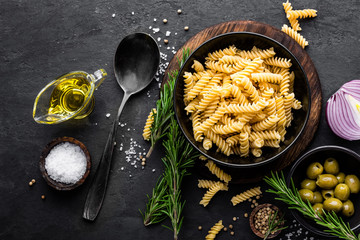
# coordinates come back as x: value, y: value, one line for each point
x: 349, y: 162
x: 245, y: 41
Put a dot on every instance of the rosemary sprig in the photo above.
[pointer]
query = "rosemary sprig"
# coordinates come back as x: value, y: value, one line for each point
x: 274, y: 224
x: 165, y: 200
x: 153, y: 213
x: 334, y: 225
x: 164, y: 106
x: 179, y: 156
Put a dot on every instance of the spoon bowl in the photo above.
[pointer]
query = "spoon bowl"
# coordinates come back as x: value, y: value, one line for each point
x: 135, y: 63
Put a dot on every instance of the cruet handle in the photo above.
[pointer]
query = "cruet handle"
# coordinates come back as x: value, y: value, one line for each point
x: 98, y: 77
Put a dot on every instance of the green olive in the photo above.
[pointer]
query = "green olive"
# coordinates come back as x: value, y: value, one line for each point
x: 341, y: 177
x: 308, y: 184
x: 333, y: 204
x: 348, y: 209
x: 353, y: 182
x: 327, y: 193
x: 326, y: 181
x: 306, y: 194
x: 314, y: 170
x: 342, y: 192
x: 318, y: 208
x: 331, y: 166
x: 317, y: 197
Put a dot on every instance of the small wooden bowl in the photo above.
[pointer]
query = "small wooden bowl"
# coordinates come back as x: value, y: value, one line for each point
x: 48, y: 179
x: 252, y: 220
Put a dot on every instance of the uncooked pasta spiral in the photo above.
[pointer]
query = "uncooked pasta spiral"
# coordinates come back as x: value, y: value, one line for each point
x: 268, y: 93
x: 207, y: 143
x: 220, y: 53
x: 237, y: 94
x: 219, y: 142
x: 218, y: 171
x: 209, y: 184
x: 208, y: 98
x: 149, y: 122
x: 258, y: 143
x: 248, y: 70
x: 266, y: 135
x: 305, y: 13
x: 278, y: 62
x: 285, y: 83
x: 233, y: 127
x: 244, y: 144
x: 245, y: 195
x: 257, y: 152
x: 215, y: 81
x: 210, y: 109
x: 233, y: 140
x: 280, y: 111
x: 220, y: 111
x: 257, y: 53
x: 296, y: 104
x: 210, y: 194
x: 246, y: 108
x: 214, y: 231
x: 196, y: 121
x: 192, y: 106
x: 249, y: 88
x: 227, y: 59
x: 266, y: 77
x: 197, y: 66
x: 216, y: 66
x: 266, y: 123
x: 288, y: 101
x: 295, y: 35
x: 272, y: 143
x: 188, y: 82
x: 287, y: 6
x: 200, y: 84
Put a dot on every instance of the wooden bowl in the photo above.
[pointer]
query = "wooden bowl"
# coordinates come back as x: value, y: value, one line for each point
x: 58, y: 185
x: 252, y: 220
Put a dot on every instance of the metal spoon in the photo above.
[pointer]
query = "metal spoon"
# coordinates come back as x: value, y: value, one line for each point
x: 136, y: 60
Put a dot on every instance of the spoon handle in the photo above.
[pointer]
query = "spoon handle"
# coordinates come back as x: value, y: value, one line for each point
x: 96, y: 194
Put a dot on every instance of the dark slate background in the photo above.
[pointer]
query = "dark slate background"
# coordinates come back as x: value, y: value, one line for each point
x: 41, y: 40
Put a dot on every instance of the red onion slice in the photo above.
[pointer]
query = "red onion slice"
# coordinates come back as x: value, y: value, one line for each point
x: 343, y: 111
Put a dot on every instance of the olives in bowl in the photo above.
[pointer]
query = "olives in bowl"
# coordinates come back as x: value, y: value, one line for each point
x: 329, y: 167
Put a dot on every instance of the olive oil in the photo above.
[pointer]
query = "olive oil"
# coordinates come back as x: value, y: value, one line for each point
x: 69, y: 96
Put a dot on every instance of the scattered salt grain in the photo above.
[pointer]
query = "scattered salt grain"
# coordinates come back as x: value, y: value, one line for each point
x: 159, y: 39
x: 113, y: 15
x: 150, y: 27
x: 132, y: 13
x: 154, y: 19
x: 167, y: 33
x: 66, y: 163
x: 153, y: 170
x: 95, y: 124
x: 176, y: 33
x: 108, y: 115
x: 122, y: 168
x: 155, y: 30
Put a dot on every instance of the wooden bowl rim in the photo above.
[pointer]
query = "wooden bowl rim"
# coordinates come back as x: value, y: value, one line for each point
x: 252, y: 215
x: 58, y: 185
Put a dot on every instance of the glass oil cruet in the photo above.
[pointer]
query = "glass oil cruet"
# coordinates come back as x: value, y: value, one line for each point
x: 70, y: 96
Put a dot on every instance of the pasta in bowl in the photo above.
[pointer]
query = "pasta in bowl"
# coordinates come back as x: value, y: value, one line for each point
x: 242, y: 99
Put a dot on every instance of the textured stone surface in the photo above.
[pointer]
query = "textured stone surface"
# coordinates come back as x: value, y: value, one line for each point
x: 43, y: 39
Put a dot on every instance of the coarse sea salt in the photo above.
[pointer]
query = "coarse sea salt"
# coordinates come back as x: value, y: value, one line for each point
x: 66, y: 163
